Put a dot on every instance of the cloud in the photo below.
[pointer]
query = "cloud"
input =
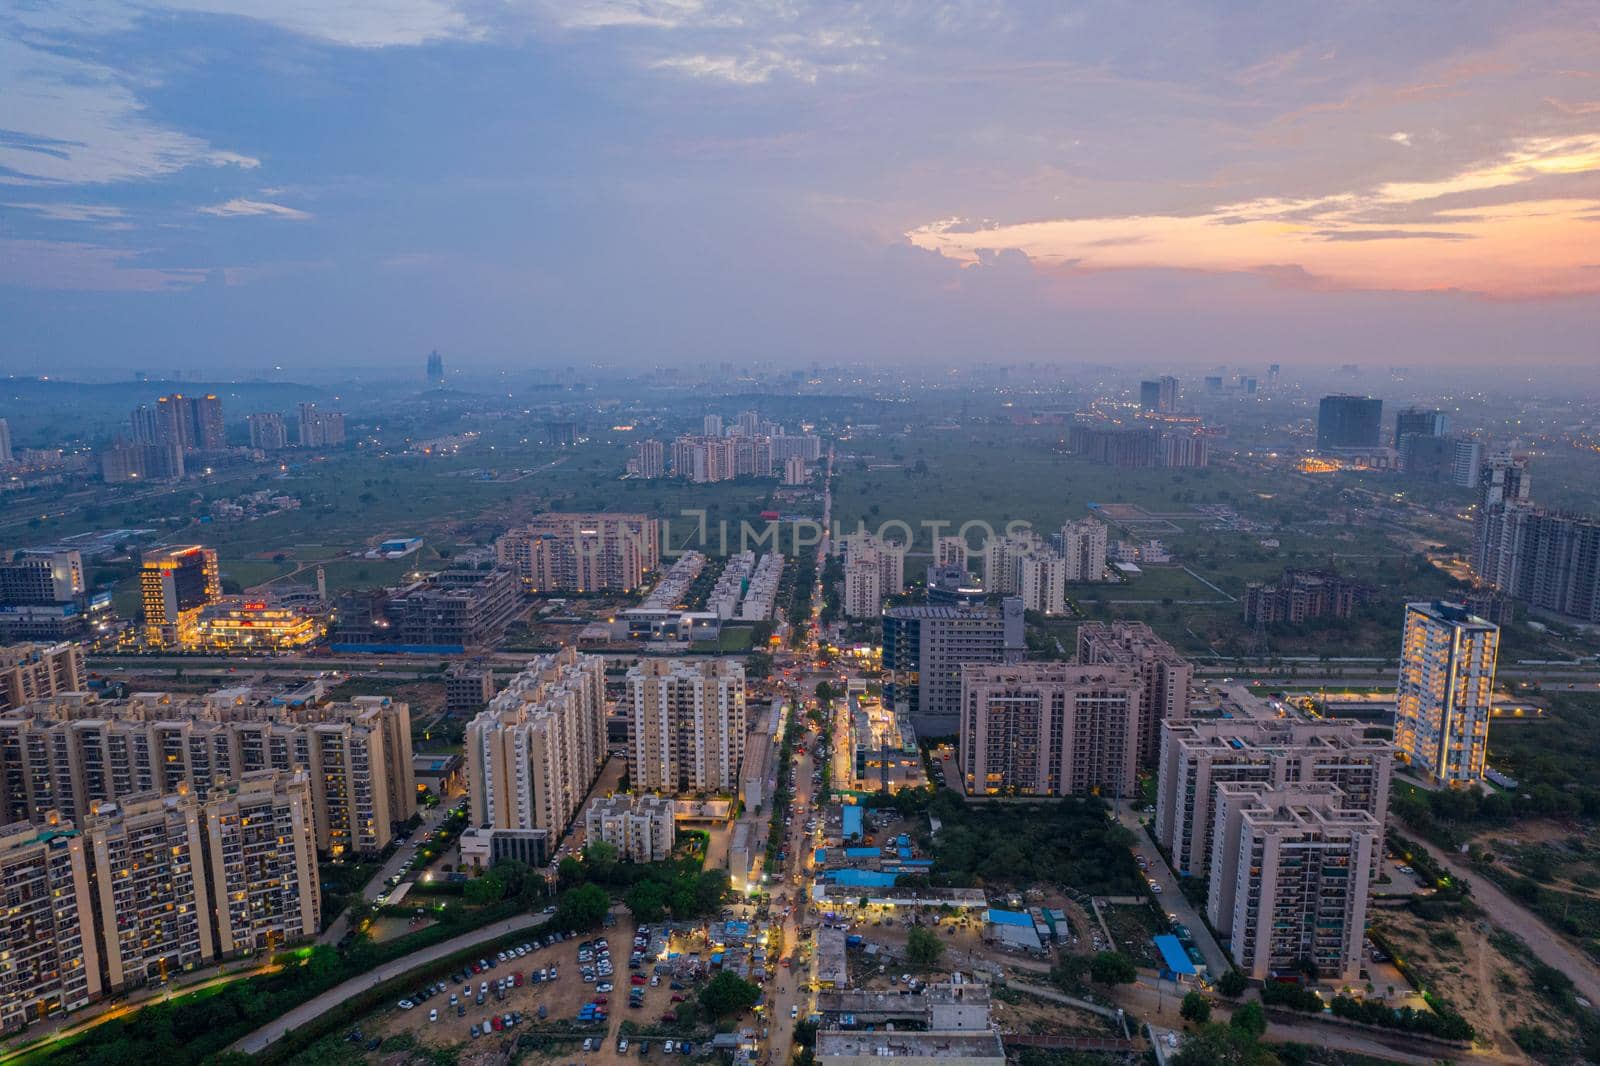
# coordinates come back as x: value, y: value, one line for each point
x: 241, y: 208
x: 350, y: 23
x: 1582, y: 107
x: 1390, y: 235
x: 1401, y: 138
x: 70, y: 212
x: 72, y: 121
x: 69, y: 265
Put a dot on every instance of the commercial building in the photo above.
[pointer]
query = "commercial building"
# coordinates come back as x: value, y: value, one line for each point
x: 31, y: 672
x: 73, y: 752
x: 1199, y: 755
x: 1301, y: 595
x: 640, y: 827
x: 52, y: 962
x: 175, y: 584
x: 1166, y: 675
x: 535, y: 750
x: 1050, y: 729
x: 1345, y: 421
x: 1445, y: 694
x: 448, y: 611
x: 259, y: 623
x: 1290, y: 875
x: 5, y: 441
x: 925, y: 647
x: 482, y: 849
x: 1419, y: 422
x: 582, y: 552
x: 686, y: 725
x: 1442, y: 460
x: 1159, y: 396
x: 268, y: 432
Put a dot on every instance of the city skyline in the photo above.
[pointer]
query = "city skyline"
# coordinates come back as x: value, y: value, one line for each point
x: 603, y: 181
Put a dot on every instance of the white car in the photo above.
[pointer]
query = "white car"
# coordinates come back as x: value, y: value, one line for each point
x: 406, y: 1004
x: 433, y: 1015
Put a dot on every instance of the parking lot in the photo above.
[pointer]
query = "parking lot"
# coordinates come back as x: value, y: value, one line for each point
x: 561, y: 998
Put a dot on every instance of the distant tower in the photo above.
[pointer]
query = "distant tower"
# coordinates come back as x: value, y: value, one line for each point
x: 322, y: 584
x: 436, y: 369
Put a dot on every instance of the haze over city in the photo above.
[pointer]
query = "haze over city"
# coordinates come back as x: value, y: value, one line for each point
x: 241, y: 185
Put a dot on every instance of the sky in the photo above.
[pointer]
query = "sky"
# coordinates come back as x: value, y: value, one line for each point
x: 239, y: 185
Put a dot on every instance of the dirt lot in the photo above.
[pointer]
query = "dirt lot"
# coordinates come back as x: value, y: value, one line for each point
x: 1455, y: 959
x: 561, y: 999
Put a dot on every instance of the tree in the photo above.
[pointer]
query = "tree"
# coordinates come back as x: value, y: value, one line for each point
x: 1113, y: 968
x: 1250, y: 1018
x: 1221, y: 1045
x: 583, y: 907
x: 923, y: 948
x: 647, y: 900
x: 824, y: 692
x: 727, y: 994
x: 1232, y: 984
x: 1196, y: 1008
x: 482, y: 891
x: 569, y: 872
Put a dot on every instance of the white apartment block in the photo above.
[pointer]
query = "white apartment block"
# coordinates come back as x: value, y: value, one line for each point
x: 1021, y: 564
x: 1290, y: 878
x: 1167, y: 675
x: 1198, y: 756
x: 686, y: 725
x: 730, y: 585
x: 47, y: 941
x: 640, y: 827
x: 72, y: 752
x: 535, y: 750
x: 1049, y: 729
x: 863, y: 555
x: 1446, y: 692
x: 794, y: 471
x: 950, y: 551
x: 863, y: 588
x: 1083, y: 544
x: 762, y: 593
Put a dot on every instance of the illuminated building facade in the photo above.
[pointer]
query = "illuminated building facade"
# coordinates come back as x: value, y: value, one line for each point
x: 1446, y: 692
x: 176, y: 583
x: 239, y: 623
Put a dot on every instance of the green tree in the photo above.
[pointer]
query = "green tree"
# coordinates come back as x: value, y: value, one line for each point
x: 1196, y: 1008
x: 647, y: 900
x: 1222, y: 1045
x: 1232, y: 984
x: 728, y: 994
x: 569, y: 872
x: 1113, y: 968
x: 923, y: 948
x: 482, y: 891
x: 1250, y: 1018
x: 583, y: 907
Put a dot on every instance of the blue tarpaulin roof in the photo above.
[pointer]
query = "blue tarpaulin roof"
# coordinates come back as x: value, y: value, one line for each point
x: 1000, y: 917
x: 861, y: 853
x: 863, y: 878
x: 905, y: 852
x: 1173, y: 955
x: 853, y: 823
x: 822, y: 854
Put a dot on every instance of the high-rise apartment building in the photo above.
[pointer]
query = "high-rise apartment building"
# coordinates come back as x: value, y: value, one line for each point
x: 582, y: 552
x: 1291, y: 871
x: 649, y: 460
x: 950, y: 552
x: 1140, y: 446
x: 794, y: 471
x: 1049, y: 729
x: 640, y: 827
x: 47, y: 941
x: 686, y: 725
x: 73, y: 752
x: 148, y: 871
x: 925, y: 647
x: 261, y: 863
x: 1023, y: 565
x: 187, y: 423
x: 535, y: 750
x: 43, y: 595
x: 1345, y: 421
x: 5, y: 441
x: 175, y: 583
x: 874, y: 569
x: 807, y: 446
x: 1446, y: 692
x: 268, y: 432
x: 1199, y: 755
x: 318, y: 428
x: 1083, y: 546
x: 31, y: 672
x: 1165, y: 674
x: 1443, y: 460
x: 711, y: 426
x: 1300, y: 595
x: 1160, y: 395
